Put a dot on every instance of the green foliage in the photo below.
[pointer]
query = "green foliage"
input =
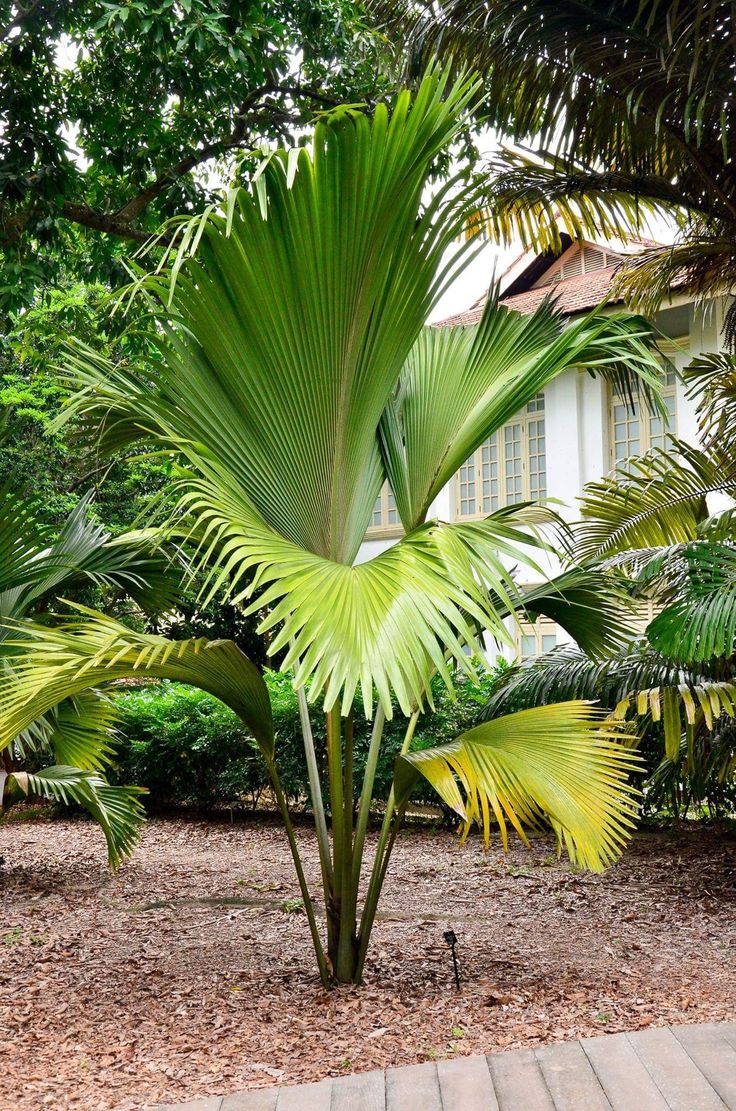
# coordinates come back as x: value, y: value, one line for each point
x: 188, y: 749
x: 156, y: 94
x: 628, y: 107
x: 48, y: 464
x: 282, y: 322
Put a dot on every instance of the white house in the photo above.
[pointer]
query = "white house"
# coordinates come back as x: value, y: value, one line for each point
x: 576, y: 430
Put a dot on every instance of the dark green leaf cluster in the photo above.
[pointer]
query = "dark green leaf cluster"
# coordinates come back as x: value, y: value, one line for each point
x: 116, y: 115
x: 628, y: 107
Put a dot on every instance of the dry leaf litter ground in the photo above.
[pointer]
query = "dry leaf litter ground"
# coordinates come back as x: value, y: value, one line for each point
x: 147, y: 986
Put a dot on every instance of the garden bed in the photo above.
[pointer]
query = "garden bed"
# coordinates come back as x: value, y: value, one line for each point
x: 189, y: 973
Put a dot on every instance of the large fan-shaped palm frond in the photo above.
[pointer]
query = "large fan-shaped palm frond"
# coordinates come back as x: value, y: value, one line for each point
x: 293, y: 320
x: 389, y: 623
x: 283, y: 349
x: 560, y: 762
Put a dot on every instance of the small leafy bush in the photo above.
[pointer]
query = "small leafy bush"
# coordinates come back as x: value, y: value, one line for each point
x: 189, y: 749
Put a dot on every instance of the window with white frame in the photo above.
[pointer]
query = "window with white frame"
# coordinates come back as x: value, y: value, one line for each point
x: 634, y: 428
x: 535, y: 638
x: 507, y: 468
x: 385, y: 518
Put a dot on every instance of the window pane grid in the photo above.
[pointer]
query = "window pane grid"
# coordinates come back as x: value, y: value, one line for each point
x: 508, y: 468
x: 635, y: 429
x: 385, y: 515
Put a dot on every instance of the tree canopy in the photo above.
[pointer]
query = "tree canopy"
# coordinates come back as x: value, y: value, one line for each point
x: 114, y: 114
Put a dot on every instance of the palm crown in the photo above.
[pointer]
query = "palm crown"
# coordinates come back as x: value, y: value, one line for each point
x: 294, y: 377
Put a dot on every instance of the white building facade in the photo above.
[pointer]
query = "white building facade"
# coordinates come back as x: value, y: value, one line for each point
x: 577, y: 430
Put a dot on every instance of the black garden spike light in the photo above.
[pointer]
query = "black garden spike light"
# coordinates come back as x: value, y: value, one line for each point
x: 451, y: 939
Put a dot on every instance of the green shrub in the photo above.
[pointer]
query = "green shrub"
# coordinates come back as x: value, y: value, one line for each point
x: 188, y: 749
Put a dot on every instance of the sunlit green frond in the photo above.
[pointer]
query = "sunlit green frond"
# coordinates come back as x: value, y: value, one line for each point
x: 79, y: 732
x: 60, y: 662
x: 534, y: 198
x: 388, y: 623
x: 657, y: 499
x: 117, y: 810
x: 287, y: 330
x: 639, y: 684
x: 460, y: 385
x: 562, y: 763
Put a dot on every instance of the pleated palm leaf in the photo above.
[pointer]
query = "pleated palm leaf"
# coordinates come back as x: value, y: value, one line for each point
x: 622, y: 109
x: 295, y: 377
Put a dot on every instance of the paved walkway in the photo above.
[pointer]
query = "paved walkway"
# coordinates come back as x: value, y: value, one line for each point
x: 678, y: 1068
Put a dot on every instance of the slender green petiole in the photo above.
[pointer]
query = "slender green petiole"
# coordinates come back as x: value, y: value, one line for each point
x: 380, y: 866
x: 306, y: 897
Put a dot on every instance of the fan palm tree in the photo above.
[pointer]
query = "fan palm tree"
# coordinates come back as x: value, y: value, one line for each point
x: 621, y: 109
x: 294, y: 378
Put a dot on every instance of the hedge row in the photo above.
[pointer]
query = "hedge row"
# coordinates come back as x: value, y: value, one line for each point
x: 188, y: 749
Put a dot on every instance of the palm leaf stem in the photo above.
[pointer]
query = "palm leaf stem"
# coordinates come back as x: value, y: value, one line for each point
x: 298, y: 867
x: 366, y: 797
x: 339, y: 845
x: 348, y: 910
x: 386, y: 840
x: 315, y: 790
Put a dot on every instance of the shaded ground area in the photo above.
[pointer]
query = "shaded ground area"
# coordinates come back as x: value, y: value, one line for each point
x: 144, y: 987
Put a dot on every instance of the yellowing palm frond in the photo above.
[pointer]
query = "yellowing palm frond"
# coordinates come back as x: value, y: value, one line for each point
x: 563, y: 763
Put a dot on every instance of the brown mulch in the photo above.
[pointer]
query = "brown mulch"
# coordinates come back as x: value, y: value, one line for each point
x: 147, y: 986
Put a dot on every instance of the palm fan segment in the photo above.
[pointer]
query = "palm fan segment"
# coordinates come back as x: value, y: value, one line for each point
x: 460, y: 385
x: 290, y: 312
x: 561, y: 763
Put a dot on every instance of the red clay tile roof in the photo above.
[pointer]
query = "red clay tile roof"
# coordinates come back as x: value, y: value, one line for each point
x: 573, y: 295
